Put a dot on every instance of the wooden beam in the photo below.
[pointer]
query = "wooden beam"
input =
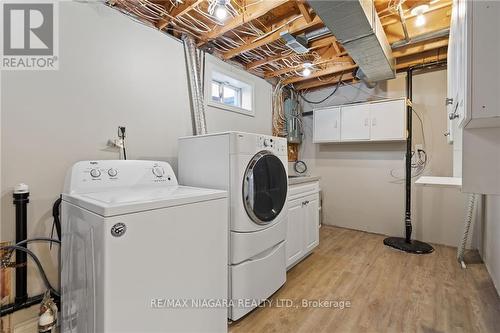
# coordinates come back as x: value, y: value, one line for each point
x: 328, y: 59
x: 297, y: 26
x: 332, y: 69
x: 427, y: 57
x: 304, y: 11
x: 178, y: 11
x: 323, y: 42
x: 312, y: 84
x: 419, y: 48
x: 251, y: 13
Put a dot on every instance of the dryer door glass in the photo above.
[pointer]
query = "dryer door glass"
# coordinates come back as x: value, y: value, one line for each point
x: 264, y: 187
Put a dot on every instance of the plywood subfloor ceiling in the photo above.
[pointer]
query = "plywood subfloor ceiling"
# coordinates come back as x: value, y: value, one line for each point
x: 250, y: 34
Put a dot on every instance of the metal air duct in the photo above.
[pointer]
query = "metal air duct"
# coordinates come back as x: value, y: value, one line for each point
x: 193, y: 69
x: 356, y: 25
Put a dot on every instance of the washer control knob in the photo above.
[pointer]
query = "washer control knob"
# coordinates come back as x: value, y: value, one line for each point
x: 95, y: 173
x: 268, y: 142
x: 158, y: 172
x: 112, y: 172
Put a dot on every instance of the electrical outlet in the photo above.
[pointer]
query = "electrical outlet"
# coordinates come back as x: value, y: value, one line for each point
x: 5, y: 279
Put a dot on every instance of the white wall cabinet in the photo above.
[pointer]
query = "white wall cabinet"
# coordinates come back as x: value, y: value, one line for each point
x: 327, y: 125
x: 373, y: 121
x: 355, y: 122
x: 474, y: 73
x: 473, y: 103
x: 388, y: 120
x: 303, y: 222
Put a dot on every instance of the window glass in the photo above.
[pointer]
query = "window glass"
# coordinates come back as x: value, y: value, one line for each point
x: 215, y: 91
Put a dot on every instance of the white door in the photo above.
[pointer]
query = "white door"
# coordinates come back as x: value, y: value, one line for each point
x: 388, y: 120
x: 295, y: 230
x: 355, y: 121
x: 326, y: 125
x: 311, y: 222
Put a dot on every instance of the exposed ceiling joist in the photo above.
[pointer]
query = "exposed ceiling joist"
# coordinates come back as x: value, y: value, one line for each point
x: 298, y: 25
x: 304, y: 11
x: 330, y: 56
x: 180, y: 10
x: 312, y: 84
x: 330, y: 69
x: 317, y: 44
x: 251, y: 35
x: 250, y: 14
x: 419, y: 48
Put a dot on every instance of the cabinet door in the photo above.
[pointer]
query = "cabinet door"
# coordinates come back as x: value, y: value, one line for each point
x: 311, y: 222
x: 295, y: 231
x: 355, y: 121
x: 388, y: 120
x: 326, y: 125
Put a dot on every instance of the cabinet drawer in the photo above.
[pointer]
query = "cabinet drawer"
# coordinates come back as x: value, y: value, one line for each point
x: 301, y: 190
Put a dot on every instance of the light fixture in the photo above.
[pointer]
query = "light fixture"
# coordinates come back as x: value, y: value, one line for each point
x: 419, y: 9
x: 221, y: 12
x: 420, y: 21
x: 307, y: 69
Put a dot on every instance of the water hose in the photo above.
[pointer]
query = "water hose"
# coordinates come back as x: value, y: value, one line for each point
x: 468, y: 222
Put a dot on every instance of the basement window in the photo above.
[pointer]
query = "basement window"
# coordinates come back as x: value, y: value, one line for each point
x: 223, y: 92
x: 229, y: 91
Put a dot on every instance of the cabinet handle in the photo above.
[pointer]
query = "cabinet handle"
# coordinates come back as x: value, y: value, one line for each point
x: 366, y: 121
x: 336, y: 124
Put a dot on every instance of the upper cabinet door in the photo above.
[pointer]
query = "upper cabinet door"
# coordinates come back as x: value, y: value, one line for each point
x: 355, y: 121
x: 388, y: 120
x: 326, y: 125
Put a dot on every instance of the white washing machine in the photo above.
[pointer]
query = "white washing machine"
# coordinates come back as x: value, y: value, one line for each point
x: 253, y: 168
x: 139, y: 252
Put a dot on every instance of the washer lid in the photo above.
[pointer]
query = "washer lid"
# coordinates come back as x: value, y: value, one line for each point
x: 138, y: 199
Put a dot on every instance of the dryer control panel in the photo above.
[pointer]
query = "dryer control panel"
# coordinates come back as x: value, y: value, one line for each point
x: 274, y: 144
x: 91, y: 176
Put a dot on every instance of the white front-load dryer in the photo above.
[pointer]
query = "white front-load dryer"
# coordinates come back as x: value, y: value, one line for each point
x: 253, y: 168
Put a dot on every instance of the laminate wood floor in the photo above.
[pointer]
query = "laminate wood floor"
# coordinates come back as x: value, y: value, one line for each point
x: 389, y: 291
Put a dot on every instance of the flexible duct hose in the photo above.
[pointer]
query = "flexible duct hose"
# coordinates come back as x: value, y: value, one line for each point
x: 468, y: 221
x: 193, y: 68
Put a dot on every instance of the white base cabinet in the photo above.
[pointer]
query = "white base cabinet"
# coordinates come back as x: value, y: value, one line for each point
x: 303, y: 222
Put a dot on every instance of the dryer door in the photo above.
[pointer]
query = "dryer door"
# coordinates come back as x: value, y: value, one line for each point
x: 264, y: 187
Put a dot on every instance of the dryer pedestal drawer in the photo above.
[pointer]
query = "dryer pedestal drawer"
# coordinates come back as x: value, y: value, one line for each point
x: 245, y: 245
x: 257, y: 279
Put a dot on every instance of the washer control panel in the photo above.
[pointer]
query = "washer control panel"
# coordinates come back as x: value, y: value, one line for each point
x: 89, y: 176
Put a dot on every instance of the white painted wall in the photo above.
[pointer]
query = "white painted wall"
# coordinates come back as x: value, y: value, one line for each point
x: 113, y: 71
x: 359, y: 191
x: 490, y: 248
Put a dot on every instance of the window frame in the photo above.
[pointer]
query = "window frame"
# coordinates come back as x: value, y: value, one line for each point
x: 221, y: 86
x: 232, y: 78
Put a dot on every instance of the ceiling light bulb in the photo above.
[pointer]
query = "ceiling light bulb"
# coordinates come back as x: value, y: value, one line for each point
x: 420, y: 9
x: 306, y: 72
x: 420, y: 20
x: 221, y: 12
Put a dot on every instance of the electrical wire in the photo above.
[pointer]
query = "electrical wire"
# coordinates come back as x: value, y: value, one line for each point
x: 38, y: 264
x: 327, y: 97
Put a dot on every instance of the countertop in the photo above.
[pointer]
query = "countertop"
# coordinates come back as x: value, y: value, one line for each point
x: 302, y: 179
x: 440, y: 181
